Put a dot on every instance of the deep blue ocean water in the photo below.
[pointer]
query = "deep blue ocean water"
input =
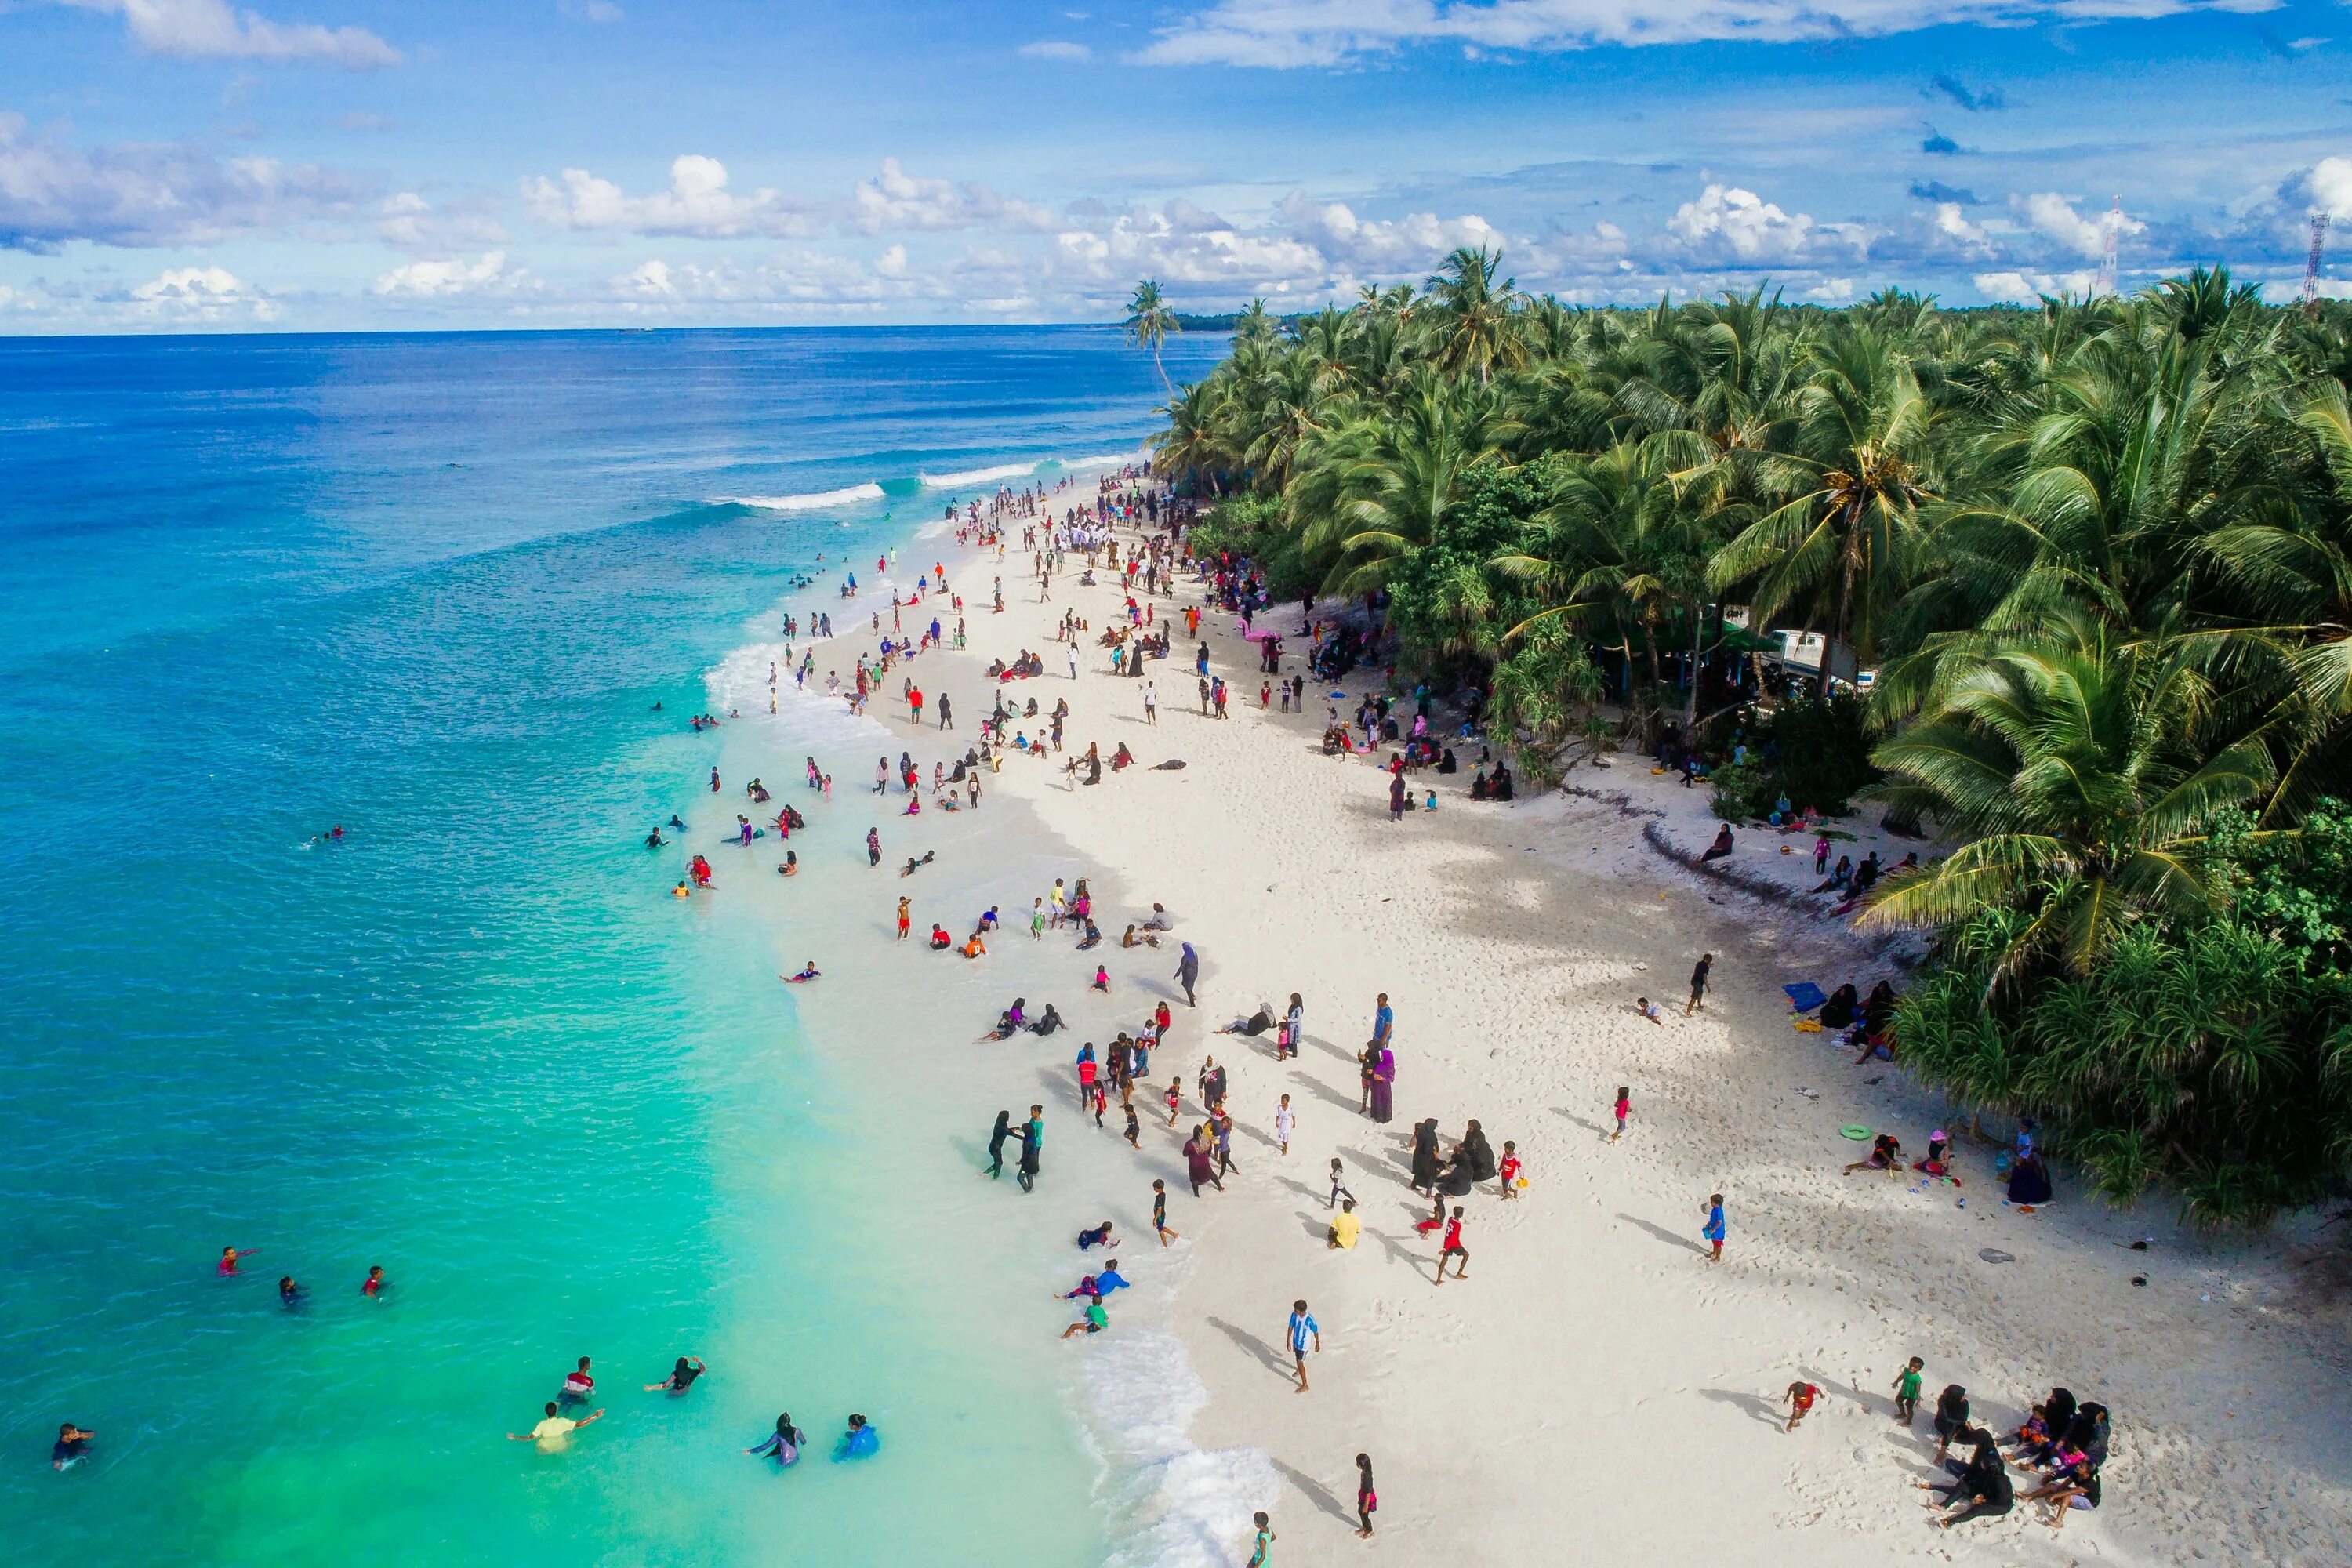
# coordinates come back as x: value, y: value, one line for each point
x: 430, y: 588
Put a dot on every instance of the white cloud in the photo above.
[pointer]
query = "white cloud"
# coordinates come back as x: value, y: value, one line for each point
x: 895, y: 199
x: 1292, y: 33
x: 200, y: 294
x: 696, y: 202
x: 2331, y: 187
x: 2028, y: 288
x: 132, y: 195
x: 209, y: 29
x: 1056, y: 49
x: 1729, y: 218
x: 2052, y: 214
x: 1831, y: 291
x: 487, y: 274
x: 406, y: 218
x: 1152, y: 245
x: 1411, y: 243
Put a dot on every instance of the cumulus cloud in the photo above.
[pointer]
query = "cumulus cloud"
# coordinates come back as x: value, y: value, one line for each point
x: 696, y: 202
x: 1055, y: 50
x: 2331, y: 187
x: 1411, y: 243
x: 2028, y: 288
x: 134, y: 194
x: 1150, y: 245
x: 1294, y: 33
x: 895, y: 199
x: 487, y: 274
x: 209, y: 29
x: 1727, y: 218
x: 188, y: 294
x: 2052, y: 214
x: 791, y: 283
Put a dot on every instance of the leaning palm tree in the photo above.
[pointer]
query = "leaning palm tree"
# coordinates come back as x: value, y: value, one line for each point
x: 2076, y: 768
x: 1148, y: 322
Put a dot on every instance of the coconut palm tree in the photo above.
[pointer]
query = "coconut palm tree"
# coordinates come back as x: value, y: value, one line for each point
x: 2079, y: 770
x: 1845, y: 535
x: 1148, y: 322
x: 1474, y: 329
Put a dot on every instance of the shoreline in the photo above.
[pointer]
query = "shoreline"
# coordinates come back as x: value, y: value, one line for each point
x: 1591, y: 1334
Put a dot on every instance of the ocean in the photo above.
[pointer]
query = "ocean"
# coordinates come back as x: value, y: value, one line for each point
x: 431, y: 589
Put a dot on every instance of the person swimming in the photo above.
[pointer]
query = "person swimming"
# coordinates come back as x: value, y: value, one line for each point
x: 808, y: 972
x: 579, y: 1387
x: 71, y: 1448
x: 681, y: 1377
x: 229, y: 1258
x: 784, y: 1444
x: 654, y: 840
x: 289, y: 1295
x: 790, y: 866
x: 859, y: 1441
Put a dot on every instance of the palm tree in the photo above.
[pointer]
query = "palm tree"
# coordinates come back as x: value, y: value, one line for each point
x: 1382, y: 488
x: 1847, y: 534
x: 1148, y: 322
x: 1474, y: 328
x: 2077, y: 769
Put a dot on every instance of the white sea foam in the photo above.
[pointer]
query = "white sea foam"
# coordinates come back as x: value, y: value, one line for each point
x: 810, y: 502
x: 1172, y: 1503
x: 1112, y: 460
x: 980, y: 476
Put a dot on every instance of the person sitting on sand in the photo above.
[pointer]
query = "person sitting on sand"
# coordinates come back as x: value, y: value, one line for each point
x: 808, y: 972
x: 1885, y: 1154
x: 1722, y: 845
x: 1161, y: 919
x: 941, y: 940
x: 973, y: 947
x: 1132, y: 940
x: 1122, y: 758
x: 790, y: 866
x: 1841, y: 1009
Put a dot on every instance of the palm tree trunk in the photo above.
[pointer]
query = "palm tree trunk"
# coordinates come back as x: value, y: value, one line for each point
x: 1690, y: 703
x: 1163, y: 373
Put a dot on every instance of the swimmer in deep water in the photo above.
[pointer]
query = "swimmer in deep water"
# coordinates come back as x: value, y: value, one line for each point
x: 373, y: 1286
x: 681, y: 1377
x: 654, y: 840
x: 784, y: 1443
x: 809, y: 971
x: 289, y: 1295
x: 71, y: 1448
x: 229, y: 1258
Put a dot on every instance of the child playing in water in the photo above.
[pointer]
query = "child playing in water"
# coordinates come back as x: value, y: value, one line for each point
x: 1160, y: 1212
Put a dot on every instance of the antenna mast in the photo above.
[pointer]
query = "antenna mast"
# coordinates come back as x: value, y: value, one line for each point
x: 2311, y: 268
x: 2108, y: 267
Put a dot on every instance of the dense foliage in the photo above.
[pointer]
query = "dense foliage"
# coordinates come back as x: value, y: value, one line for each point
x: 2099, y: 555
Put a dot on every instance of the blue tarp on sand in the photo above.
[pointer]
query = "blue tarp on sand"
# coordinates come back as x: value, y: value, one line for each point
x: 1804, y: 996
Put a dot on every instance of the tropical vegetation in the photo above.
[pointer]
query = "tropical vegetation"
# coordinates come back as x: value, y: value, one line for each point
x: 2082, y: 575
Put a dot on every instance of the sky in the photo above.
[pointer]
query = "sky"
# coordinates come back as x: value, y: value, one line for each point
x: 310, y: 165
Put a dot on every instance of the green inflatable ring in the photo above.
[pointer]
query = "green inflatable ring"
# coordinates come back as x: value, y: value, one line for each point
x: 1855, y: 1131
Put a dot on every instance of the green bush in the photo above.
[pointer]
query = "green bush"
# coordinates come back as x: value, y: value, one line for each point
x: 1813, y: 750
x: 2212, y: 1056
x: 1253, y: 526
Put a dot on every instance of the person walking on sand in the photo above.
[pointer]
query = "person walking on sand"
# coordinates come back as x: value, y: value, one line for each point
x: 1303, y: 1329
x: 1284, y: 1119
x: 1160, y: 1212
x: 1799, y: 1399
x: 1367, y: 1501
x: 905, y: 918
x: 1200, y: 1161
x: 1339, y: 1184
x: 1151, y: 702
x: 1452, y: 1247
x: 1698, y: 984
x: 1188, y: 974
x: 1624, y: 1108
x: 1713, y: 1230
x: 1907, y: 1390
x: 1261, y: 1555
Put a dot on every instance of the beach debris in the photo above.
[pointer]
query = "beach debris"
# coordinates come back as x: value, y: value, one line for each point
x: 1809, y: 1093
x: 1995, y: 1255
x: 2139, y: 1278
x: 1172, y: 765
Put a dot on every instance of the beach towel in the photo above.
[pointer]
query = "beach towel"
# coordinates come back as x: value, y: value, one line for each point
x: 1804, y: 996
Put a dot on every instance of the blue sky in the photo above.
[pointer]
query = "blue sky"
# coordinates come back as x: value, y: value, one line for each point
x: 327, y: 165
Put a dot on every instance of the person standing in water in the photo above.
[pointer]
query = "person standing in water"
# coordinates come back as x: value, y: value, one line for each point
x: 784, y: 1443
x: 1032, y: 1145
x: 554, y: 1433
x: 996, y: 1144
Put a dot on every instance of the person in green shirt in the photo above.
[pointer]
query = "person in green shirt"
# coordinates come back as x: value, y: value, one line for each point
x: 1094, y: 1322
x: 1264, y: 1553
x: 1907, y: 1390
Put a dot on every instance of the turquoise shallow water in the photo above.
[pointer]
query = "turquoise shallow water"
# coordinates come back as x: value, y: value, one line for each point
x: 430, y: 588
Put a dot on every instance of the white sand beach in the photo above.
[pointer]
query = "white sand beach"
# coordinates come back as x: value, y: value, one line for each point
x: 1595, y: 1389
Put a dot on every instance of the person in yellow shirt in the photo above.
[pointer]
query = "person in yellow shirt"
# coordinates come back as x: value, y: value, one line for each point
x: 554, y: 1434
x: 1345, y: 1226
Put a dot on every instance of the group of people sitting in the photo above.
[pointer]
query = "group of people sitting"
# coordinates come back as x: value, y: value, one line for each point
x: 1497, y: 787
x: 2062, y: 1444
x: 1027, y: 666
